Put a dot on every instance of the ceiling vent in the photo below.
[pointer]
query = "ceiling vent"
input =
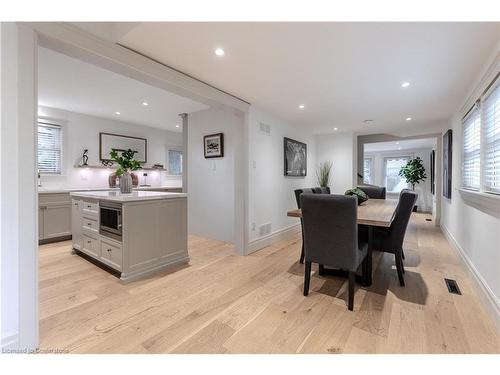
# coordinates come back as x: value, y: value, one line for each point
x: 265, y: 128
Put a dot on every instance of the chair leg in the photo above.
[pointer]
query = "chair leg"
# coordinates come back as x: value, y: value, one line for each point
x: 399, y: 267
x: 350, y: 296
x: 321, y: 270
x: 403, y: 254
x: 307, y: 277
x: 301, y: 261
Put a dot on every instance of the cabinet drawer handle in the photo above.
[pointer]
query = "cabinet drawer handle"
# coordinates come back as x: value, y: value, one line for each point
x: 89, y: 224
x: 89, y: 206
x: 109, y: 250
x: 88, y: 241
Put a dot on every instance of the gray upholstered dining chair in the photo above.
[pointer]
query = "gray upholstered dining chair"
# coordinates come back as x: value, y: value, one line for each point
x: 298, y: 193
x: 373, y: 191
x: 390, y: 240
x: 321, y: 190
x: 331, y: 236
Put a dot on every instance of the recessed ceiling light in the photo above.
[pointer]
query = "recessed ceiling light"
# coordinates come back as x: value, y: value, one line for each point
x: 397, y: 143
x: 302, y: 106
x: 408, y: 119
x: 145, y: 104
x: 219, y: 52
x: 335, y: 129
x: 117, y: 112
x: 177, y: 126
x: 399, y: 148
x: 405, y: 84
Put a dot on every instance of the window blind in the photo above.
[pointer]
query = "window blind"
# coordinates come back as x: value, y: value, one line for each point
x: 471, y: 150
x: 49, y: 148
x: 491, y: 120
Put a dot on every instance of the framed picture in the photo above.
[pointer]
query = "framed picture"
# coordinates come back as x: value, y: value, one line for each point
x: 447, y: 163
x: 109, y: 142
x: 295, y: 158
x: 214, y: 145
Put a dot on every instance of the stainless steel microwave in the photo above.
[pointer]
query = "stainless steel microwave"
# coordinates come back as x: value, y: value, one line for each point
x: 111, y: 219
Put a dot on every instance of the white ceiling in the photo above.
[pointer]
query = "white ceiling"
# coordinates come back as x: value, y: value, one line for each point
x: 410, y: 144
x: 74, y: 85
x: 344, y: 73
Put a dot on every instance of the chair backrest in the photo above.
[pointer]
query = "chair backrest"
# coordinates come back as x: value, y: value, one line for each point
x: 321, y: 190
x: 407, y: 199
x: 373, y: 191
x: 299, y: 192
x: 331, y: 230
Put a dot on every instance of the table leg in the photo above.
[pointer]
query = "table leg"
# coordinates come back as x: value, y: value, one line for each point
x: 367, y: 269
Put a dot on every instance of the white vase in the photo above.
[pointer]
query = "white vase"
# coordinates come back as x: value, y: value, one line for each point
x: 126, y: 183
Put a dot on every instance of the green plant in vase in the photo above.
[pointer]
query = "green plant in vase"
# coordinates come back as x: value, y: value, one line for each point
x: 413, y: 172
x: 323, y: 173
x: 126, y: 164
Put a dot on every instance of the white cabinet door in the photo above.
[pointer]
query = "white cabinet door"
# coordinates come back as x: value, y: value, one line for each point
x: 76, y: 223
x: 40, y: 222
x: 57, y: 220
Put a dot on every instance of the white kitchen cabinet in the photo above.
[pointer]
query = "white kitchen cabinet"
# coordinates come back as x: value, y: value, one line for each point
x: 76, y: 225
x: 54, y: 220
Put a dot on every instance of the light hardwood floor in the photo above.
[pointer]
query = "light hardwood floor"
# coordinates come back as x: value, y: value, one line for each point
x: 224, y: 303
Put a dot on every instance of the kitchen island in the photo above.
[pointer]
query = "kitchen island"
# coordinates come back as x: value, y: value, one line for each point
x: 136, y: 234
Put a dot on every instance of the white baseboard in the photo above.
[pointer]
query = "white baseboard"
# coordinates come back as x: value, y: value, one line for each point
x: 10, y: 341
x: 486, y: 295
x: 279, y: 235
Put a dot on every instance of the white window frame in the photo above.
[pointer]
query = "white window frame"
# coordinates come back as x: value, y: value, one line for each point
x: 372, y: 169
x: 474, y: 111
x: 384, y: 167
x: 43, y: 121
x: 477, y: 195
x: 167, y: 164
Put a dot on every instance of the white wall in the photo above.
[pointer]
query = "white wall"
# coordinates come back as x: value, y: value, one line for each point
x: 271, y: 193
x: 211, y: 182
x: 340, y: 149
x: 81, y: 132
x: 423, y: 189
x: 473, y: 226
x: 19, y: 260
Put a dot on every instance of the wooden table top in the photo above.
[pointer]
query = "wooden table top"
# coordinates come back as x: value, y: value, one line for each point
x: 374, y: 212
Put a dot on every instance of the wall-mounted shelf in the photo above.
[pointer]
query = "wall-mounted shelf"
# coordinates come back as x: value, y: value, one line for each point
x: 114, y: 167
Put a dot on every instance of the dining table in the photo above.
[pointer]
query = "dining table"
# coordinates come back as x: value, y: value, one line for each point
x: 371, y: 213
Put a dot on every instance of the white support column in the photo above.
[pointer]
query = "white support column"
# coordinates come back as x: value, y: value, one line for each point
x: 19, y: 244
x: 185, y: 130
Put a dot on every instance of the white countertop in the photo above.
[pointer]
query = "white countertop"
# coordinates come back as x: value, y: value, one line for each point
x: 135, y: 196
x: 42, y: 190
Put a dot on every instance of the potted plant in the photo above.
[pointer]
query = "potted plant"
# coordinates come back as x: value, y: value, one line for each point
x: 323, y: 173
x: 127, y: 164
x: 414, y: 173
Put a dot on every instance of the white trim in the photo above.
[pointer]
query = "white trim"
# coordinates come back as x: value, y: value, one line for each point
x: 486, y: 295
x: 489, y: 201
x: 279, y: 235
x: 10, y: 341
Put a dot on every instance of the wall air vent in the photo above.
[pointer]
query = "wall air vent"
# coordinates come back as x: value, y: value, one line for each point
x: 265, y: 128
x: 452, y: 286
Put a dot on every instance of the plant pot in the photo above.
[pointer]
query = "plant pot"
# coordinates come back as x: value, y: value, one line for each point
x: 126, y: 183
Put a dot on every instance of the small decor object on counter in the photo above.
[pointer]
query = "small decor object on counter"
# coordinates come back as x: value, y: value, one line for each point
x: 295, y: 158
x: 126, y: 163
x: 85, y: 158
x: 323, y: 174
x: 107, y: 163
x: 214, y: 145
x: 157, y: 166
x: 362, y: 197
x: 112, y: 180
x: 145, y: 175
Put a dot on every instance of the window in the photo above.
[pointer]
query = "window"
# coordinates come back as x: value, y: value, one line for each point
x: 49, y: 148
x: 491, y: 120
x: 471, y: 150
x: 174, y: 162
x: 393, y: 182
x: 367, y: 171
